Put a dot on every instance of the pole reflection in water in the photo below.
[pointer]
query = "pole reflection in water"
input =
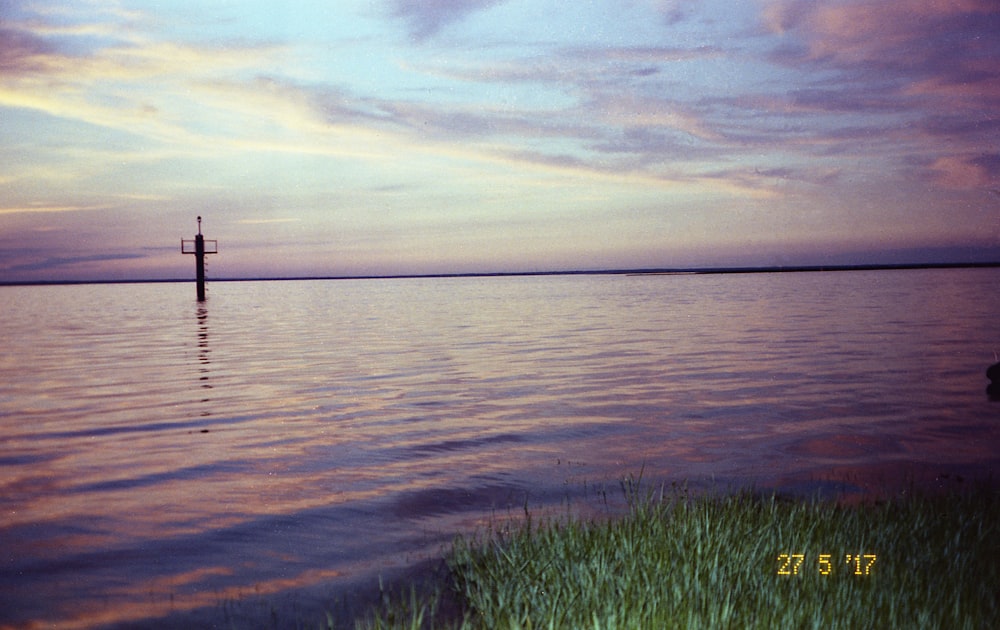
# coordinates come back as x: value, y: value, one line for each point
x: 203, y: 357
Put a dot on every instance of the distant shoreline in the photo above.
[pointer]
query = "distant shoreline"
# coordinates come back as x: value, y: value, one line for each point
x: 502, y: 274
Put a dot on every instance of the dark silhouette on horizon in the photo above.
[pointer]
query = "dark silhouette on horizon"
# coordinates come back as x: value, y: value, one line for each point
x: 993, y: 389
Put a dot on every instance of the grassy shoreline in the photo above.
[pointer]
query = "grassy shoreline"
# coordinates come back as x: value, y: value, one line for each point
x: 739, y: 560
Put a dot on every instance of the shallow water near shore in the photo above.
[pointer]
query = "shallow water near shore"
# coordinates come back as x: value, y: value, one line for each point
x: 285, y: 441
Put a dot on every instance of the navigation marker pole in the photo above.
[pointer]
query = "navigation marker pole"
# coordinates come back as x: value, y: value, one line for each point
x: 199, y: 247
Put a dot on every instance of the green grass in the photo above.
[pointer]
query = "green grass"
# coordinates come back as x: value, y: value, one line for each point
x: 675, y: 561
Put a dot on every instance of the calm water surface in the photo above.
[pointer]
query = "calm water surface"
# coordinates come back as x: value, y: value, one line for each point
x: 163, y: 459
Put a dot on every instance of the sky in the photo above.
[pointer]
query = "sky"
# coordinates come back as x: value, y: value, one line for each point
x: 460, y: 136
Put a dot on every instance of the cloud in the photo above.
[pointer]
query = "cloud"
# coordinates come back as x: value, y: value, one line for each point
x: 43, y: 208
x: 920, y: 76
x: 47, y: 263
x: 990, y: 164
x: 577, y: 67
x: 206, y: 97
x: 113, y: 76
x: 427, y: 17
x: 600, y: 104
x: 968, y: 171
x: 674, y: 11
x: 267, y: 221
x: 942, y: 42
x: 23, y: 52
x: 647, y: 113
x: 933, y: 58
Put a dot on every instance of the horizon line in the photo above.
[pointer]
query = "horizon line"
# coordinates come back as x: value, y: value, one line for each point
x: 570, y: 272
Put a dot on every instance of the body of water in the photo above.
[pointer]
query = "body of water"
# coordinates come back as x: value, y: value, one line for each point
x: 166, y: 461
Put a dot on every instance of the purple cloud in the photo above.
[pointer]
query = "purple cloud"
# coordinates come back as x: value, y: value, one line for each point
x: 46, y: 263
x: 990, y: 162
x: 427, y: 17
x: 932, y: 45
x: 22, y: 52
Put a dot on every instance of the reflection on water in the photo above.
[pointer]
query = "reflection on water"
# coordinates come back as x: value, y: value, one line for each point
x: 299, y: 436
x: 203, y: 356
